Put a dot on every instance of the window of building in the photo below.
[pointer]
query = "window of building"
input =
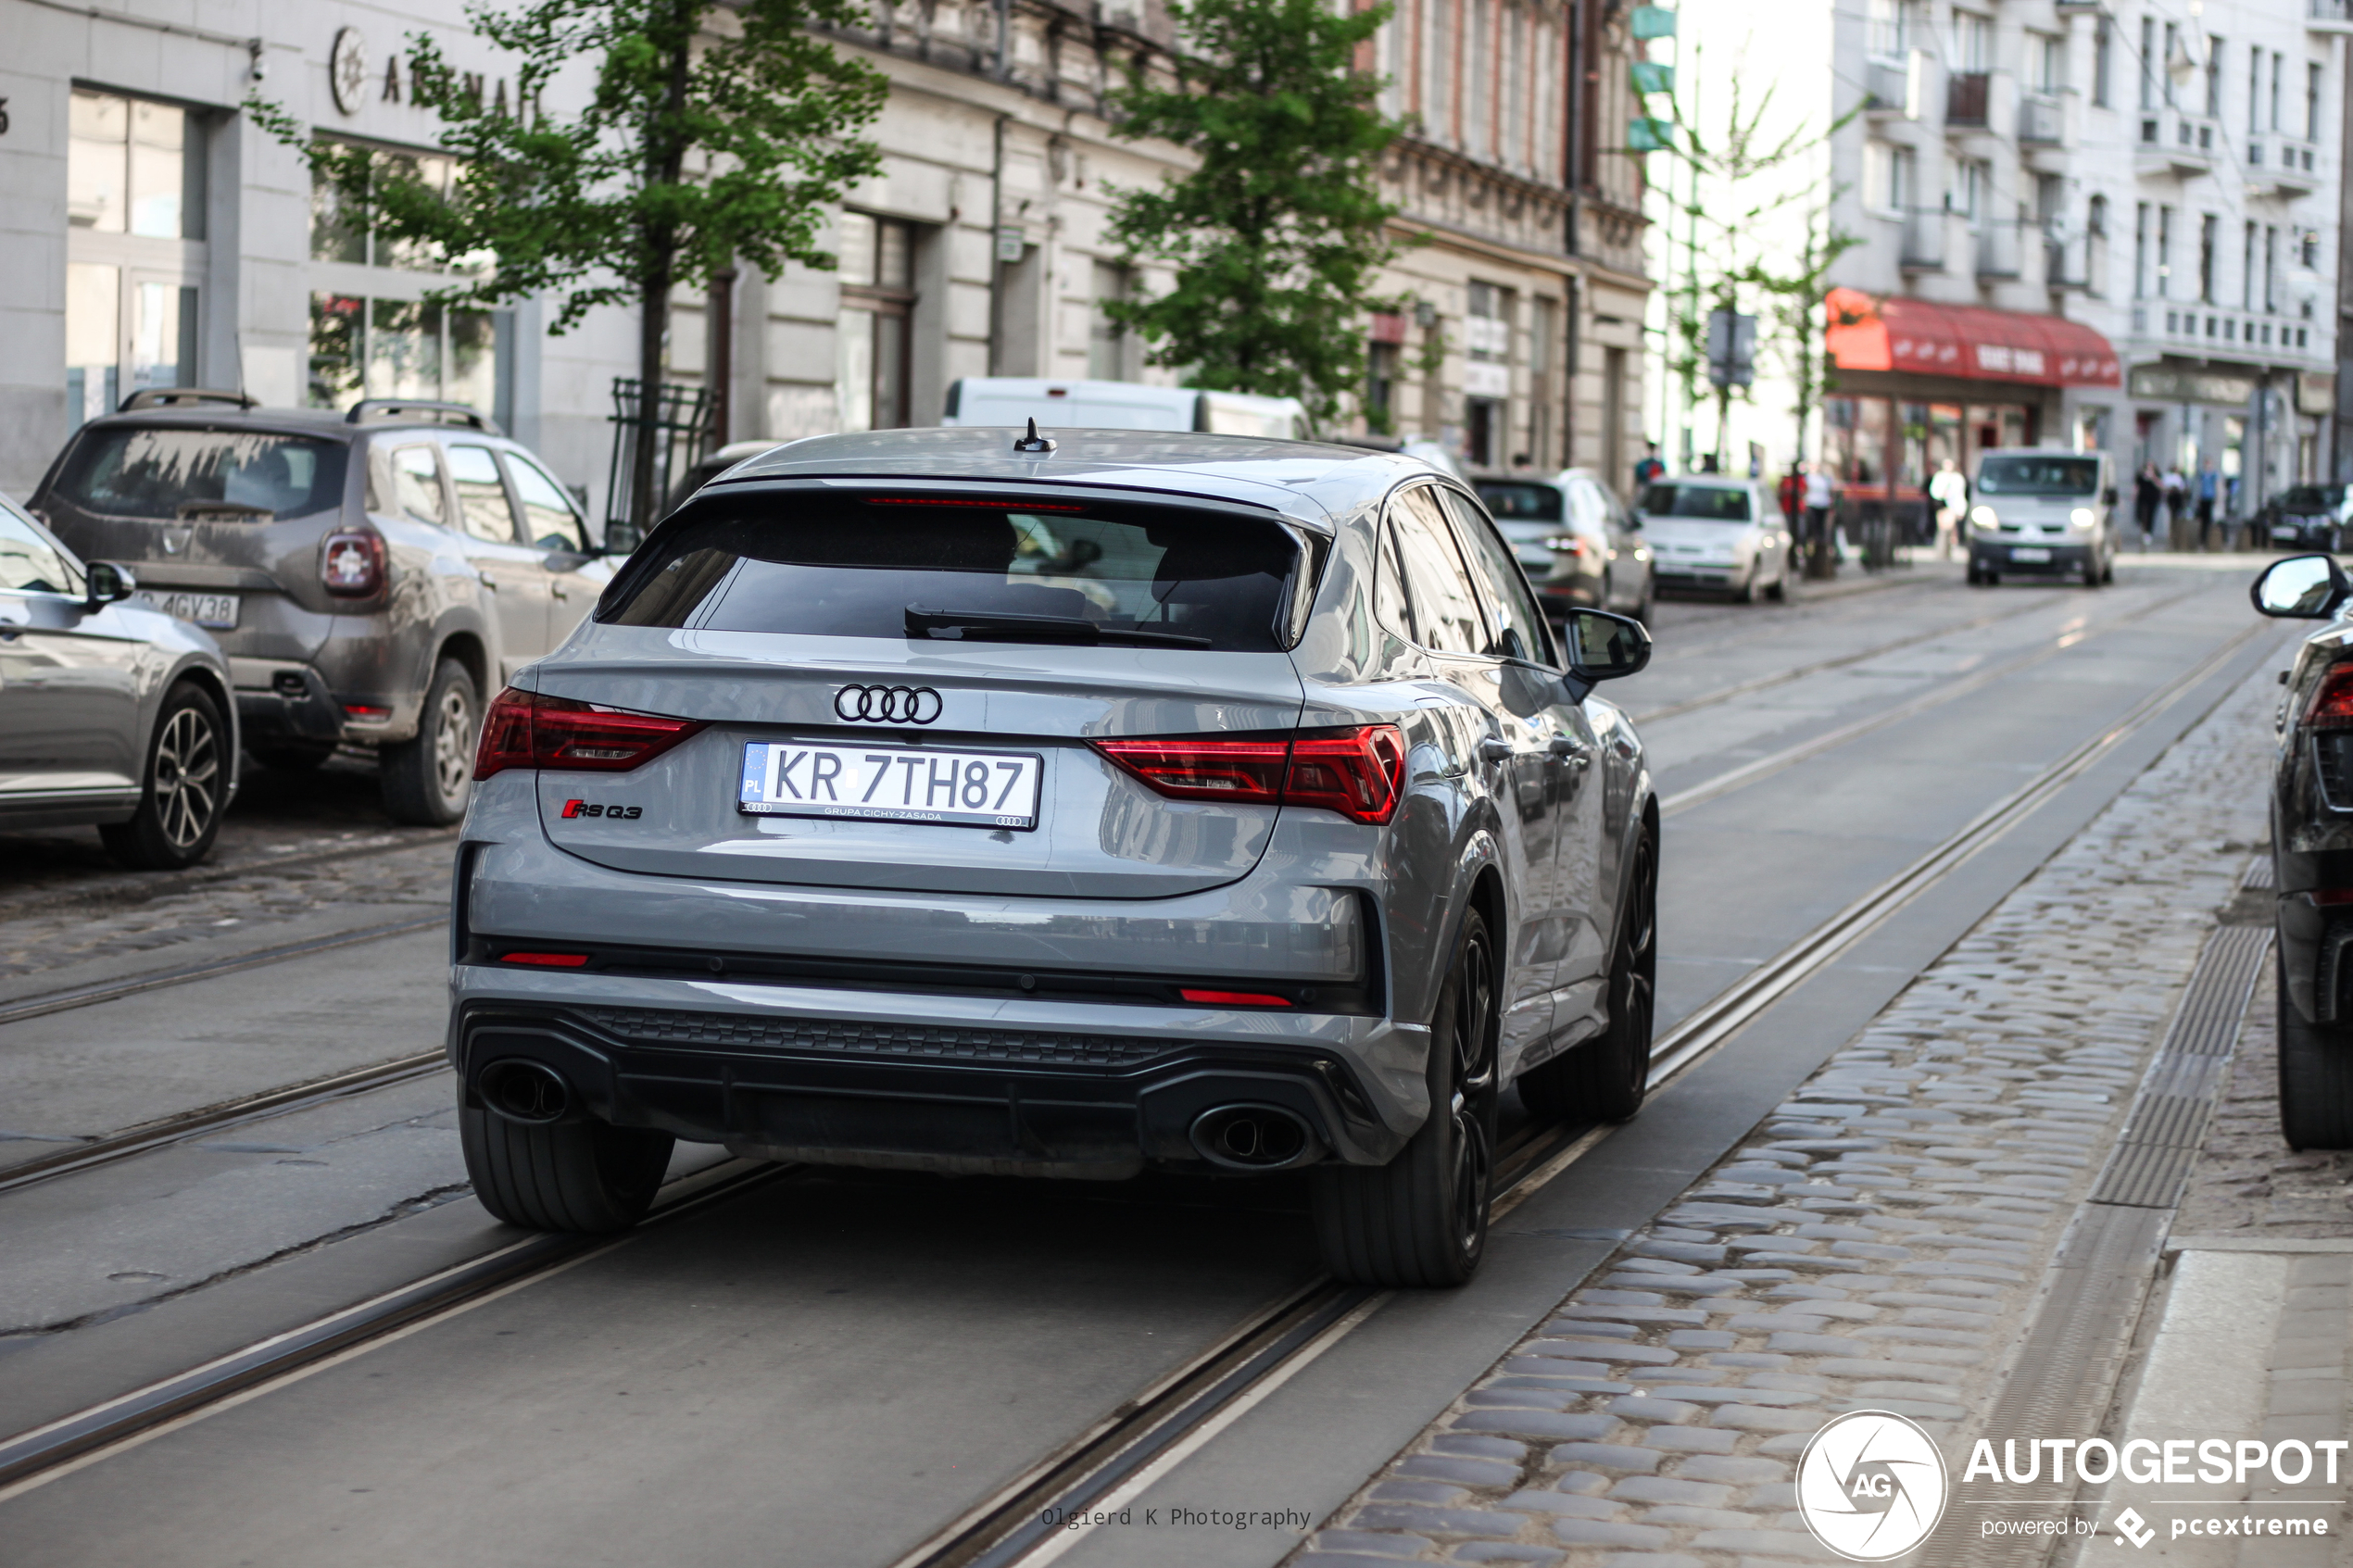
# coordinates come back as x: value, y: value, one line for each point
x: 2312, y: 101
x: 1478, y: 68
x: 2096, y: 277
x: 2210, y: 229
x: 1380, y: 384
x: 134, y: 248
x: 2139, y: 250
x: 2254, y: 91
x: 2165, y: 62
x: 2270, y: 268
x: 1972, y: 41
x: 1487, y: 377
x: 2103, y: 60
x: 2164, y: 253
x: 2046, y: 62
x: 1543, y: 329
x: 1972, y: 188
x: 2279, y: 67
x: 876, y: 260
x: 2149, y: 62
x: 1886, y: 31
x: 1107, y: 341
x: 2214, y: 77
x: 2247, y: 269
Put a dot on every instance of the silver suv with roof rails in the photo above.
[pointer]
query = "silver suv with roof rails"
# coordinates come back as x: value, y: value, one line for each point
x: 954, y: 801
x: 371, y: 575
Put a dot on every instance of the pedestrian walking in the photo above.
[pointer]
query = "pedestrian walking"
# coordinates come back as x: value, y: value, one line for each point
x: 2210, y: 485
x: 1791, y: 494
x: 2177, y: 504
x: 1649, y: 468
x: 2148, y: 490
x: 1821, y: 495
x: 1950, y: 492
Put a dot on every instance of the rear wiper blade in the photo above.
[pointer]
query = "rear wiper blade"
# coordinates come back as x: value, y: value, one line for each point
x: 995, y: 626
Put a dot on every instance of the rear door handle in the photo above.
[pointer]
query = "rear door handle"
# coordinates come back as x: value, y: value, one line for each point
x: 1494, y: 750
x: 1571, y: 751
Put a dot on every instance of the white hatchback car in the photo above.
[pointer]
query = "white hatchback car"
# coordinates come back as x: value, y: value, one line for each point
x: 1718, y: 533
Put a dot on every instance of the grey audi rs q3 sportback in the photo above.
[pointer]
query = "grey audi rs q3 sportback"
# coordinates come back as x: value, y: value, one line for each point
x: 956, y: 800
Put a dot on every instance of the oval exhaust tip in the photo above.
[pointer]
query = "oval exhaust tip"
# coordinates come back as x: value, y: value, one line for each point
x: 528, y: 1092
x: 1253, y: 1137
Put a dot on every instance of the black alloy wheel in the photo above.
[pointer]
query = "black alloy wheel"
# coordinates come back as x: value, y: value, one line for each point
x: 1421, y: 1220
x: 2316, y: 1079
x: 1608, y: 1078
x: 186, y: 787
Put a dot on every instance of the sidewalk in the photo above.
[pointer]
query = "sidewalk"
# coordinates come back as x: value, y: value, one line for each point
x: 1901, y: 1236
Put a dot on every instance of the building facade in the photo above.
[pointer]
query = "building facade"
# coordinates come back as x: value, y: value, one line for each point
x: 2103, y: 225
x: 160, y: 237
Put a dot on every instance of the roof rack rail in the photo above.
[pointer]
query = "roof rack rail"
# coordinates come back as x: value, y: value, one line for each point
x: 423, y: 411
x: 170, y: 396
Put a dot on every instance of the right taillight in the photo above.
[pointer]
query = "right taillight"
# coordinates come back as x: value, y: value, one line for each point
x: 531, y: 730
x: 1359, y: 773
x: 351, y: 565
x: 2332, y: 704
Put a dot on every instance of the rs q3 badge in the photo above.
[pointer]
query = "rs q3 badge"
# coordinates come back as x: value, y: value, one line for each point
x: 887, y: 704
x: 591, y: 809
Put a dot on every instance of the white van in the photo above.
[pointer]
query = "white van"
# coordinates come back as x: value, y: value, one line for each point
x: 1120, y: 405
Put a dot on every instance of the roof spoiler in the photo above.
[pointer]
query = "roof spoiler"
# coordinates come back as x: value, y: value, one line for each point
x: 172, y: 396
x: 422, y: 410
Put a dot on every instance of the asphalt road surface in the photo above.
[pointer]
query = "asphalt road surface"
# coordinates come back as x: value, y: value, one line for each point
x: 831, y: 1367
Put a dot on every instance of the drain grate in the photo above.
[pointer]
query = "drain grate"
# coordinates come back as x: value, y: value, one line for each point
x: 2177, y: 1094
x: 2258, y: 872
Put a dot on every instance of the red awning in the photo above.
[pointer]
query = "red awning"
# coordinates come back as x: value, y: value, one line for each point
x: 1966, y: 340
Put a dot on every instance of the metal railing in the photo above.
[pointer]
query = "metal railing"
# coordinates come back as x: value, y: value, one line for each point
x: 1966, y: 93
x: 682, y: 432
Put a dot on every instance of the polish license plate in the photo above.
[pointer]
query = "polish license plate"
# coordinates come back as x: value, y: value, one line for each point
x: 2030, y: 555
x: 206, y: 609
x: 978, y: 789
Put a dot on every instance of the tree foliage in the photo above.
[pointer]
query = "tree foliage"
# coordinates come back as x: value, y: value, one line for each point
x: 1278, y: 233
x: 713, y: 131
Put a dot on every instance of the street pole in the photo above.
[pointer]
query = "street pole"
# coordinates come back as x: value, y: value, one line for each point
x: 1691, y: 280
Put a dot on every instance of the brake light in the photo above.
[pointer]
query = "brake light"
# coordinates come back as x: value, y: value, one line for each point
x: 532, y: 730
x: 1567, y: 545
x: 548, y: 960
x: 1359, y: 773
x: 352, y: 563
x: 2332, y: 704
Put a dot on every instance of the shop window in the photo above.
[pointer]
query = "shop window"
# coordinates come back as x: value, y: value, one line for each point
x: 876, y: 265
x: 134, y: 252
x: 1107, y: 341
x: 1487, y: 377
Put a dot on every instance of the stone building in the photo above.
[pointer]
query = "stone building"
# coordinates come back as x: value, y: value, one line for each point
x: 160, y: 237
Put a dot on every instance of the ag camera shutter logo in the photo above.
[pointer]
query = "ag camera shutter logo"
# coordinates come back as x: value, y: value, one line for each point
x: 1871, y: 1486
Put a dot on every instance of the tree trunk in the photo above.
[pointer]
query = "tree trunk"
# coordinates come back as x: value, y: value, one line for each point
x: 665, y: 162
x: 653, y: 324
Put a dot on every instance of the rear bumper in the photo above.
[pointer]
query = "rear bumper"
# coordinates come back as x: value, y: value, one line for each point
x: 920, y: 1082
x: 2003, y: 559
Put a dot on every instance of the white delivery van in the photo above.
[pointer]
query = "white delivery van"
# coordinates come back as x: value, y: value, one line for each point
x: 1120, y: 405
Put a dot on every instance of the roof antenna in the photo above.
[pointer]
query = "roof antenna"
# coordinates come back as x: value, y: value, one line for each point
x: 1033, y: 442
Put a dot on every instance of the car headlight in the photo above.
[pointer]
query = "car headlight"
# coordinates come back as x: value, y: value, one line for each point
x: 2081, y: 517
x: 1983, y: 517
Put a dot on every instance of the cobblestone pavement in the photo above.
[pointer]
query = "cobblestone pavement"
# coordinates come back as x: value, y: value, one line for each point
x: 1877, y: 1244
x: 294, y: 844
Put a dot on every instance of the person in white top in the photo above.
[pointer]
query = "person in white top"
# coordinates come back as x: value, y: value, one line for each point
x: 1950, y: 492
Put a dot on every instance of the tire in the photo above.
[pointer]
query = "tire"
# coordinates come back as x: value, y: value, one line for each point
x: 185, y: 792
x: 429, y: 779
x: 2092, y: 577
x: 1746, y: 593
x: 1421, y: 1220
x: 2316, y: 1080
x: 1641, y: 611
x: 1778, y: 592
x: 566, y: 1177
x: 292, y: 757
x: 1606, y: 1079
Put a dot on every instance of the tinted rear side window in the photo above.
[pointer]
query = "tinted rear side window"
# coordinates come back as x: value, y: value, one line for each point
x: 124, y: 470
x: 1712, y: 503
x: 839, y: 567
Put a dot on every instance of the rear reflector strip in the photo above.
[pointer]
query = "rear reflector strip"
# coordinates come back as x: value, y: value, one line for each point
x: 2332, y: 896
x: 1234, y: 998
x: 548, y: 960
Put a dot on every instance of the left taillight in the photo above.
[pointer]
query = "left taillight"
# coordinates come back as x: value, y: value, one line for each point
x: 351, y: 564
x: 1359, y: 772
x: 2332, y: 704
x: 532, y: 730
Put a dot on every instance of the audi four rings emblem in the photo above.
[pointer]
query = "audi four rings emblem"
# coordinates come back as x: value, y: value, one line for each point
x: 887, y: 704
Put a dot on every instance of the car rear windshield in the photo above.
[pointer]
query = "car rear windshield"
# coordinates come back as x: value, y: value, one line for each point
x: 1521, y: 503
x: 2038, y: 476
x: 1710, y: 503
x: 955, y: 569
x: 165, y: 472
x: 2311, y: 497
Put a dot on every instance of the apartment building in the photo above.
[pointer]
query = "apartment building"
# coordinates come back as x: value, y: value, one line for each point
x: 2109, y: 225
x: 160, y: 237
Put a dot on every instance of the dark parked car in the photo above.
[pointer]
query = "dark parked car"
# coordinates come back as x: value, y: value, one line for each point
x: 1153, y: 800
x: 371, y: 575
x: 2306, y: 517
x: 2312, y: 854
x: 1578, y: 544
x: 112, y: 714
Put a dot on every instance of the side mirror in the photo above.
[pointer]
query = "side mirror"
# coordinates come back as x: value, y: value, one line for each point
x: 1603, y: 646
x: 2301, y: 588
x: 109, y: 583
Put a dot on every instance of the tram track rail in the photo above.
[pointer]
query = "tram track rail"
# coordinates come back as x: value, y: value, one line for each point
x: 1025, y: 1524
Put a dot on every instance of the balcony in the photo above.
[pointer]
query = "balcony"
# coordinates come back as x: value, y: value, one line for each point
x: 1966, y: 93
x: 2280, y: 170
x: 2170, y: 142
x: 1924, y: 240
x: 2040, y: 123
x: 1997, y: 253
x: 2328, y: 16
x: 1888, y: 88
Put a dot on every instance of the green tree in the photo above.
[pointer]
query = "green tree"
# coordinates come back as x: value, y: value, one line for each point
x: 715, y: 130
x: 1276, y: 232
